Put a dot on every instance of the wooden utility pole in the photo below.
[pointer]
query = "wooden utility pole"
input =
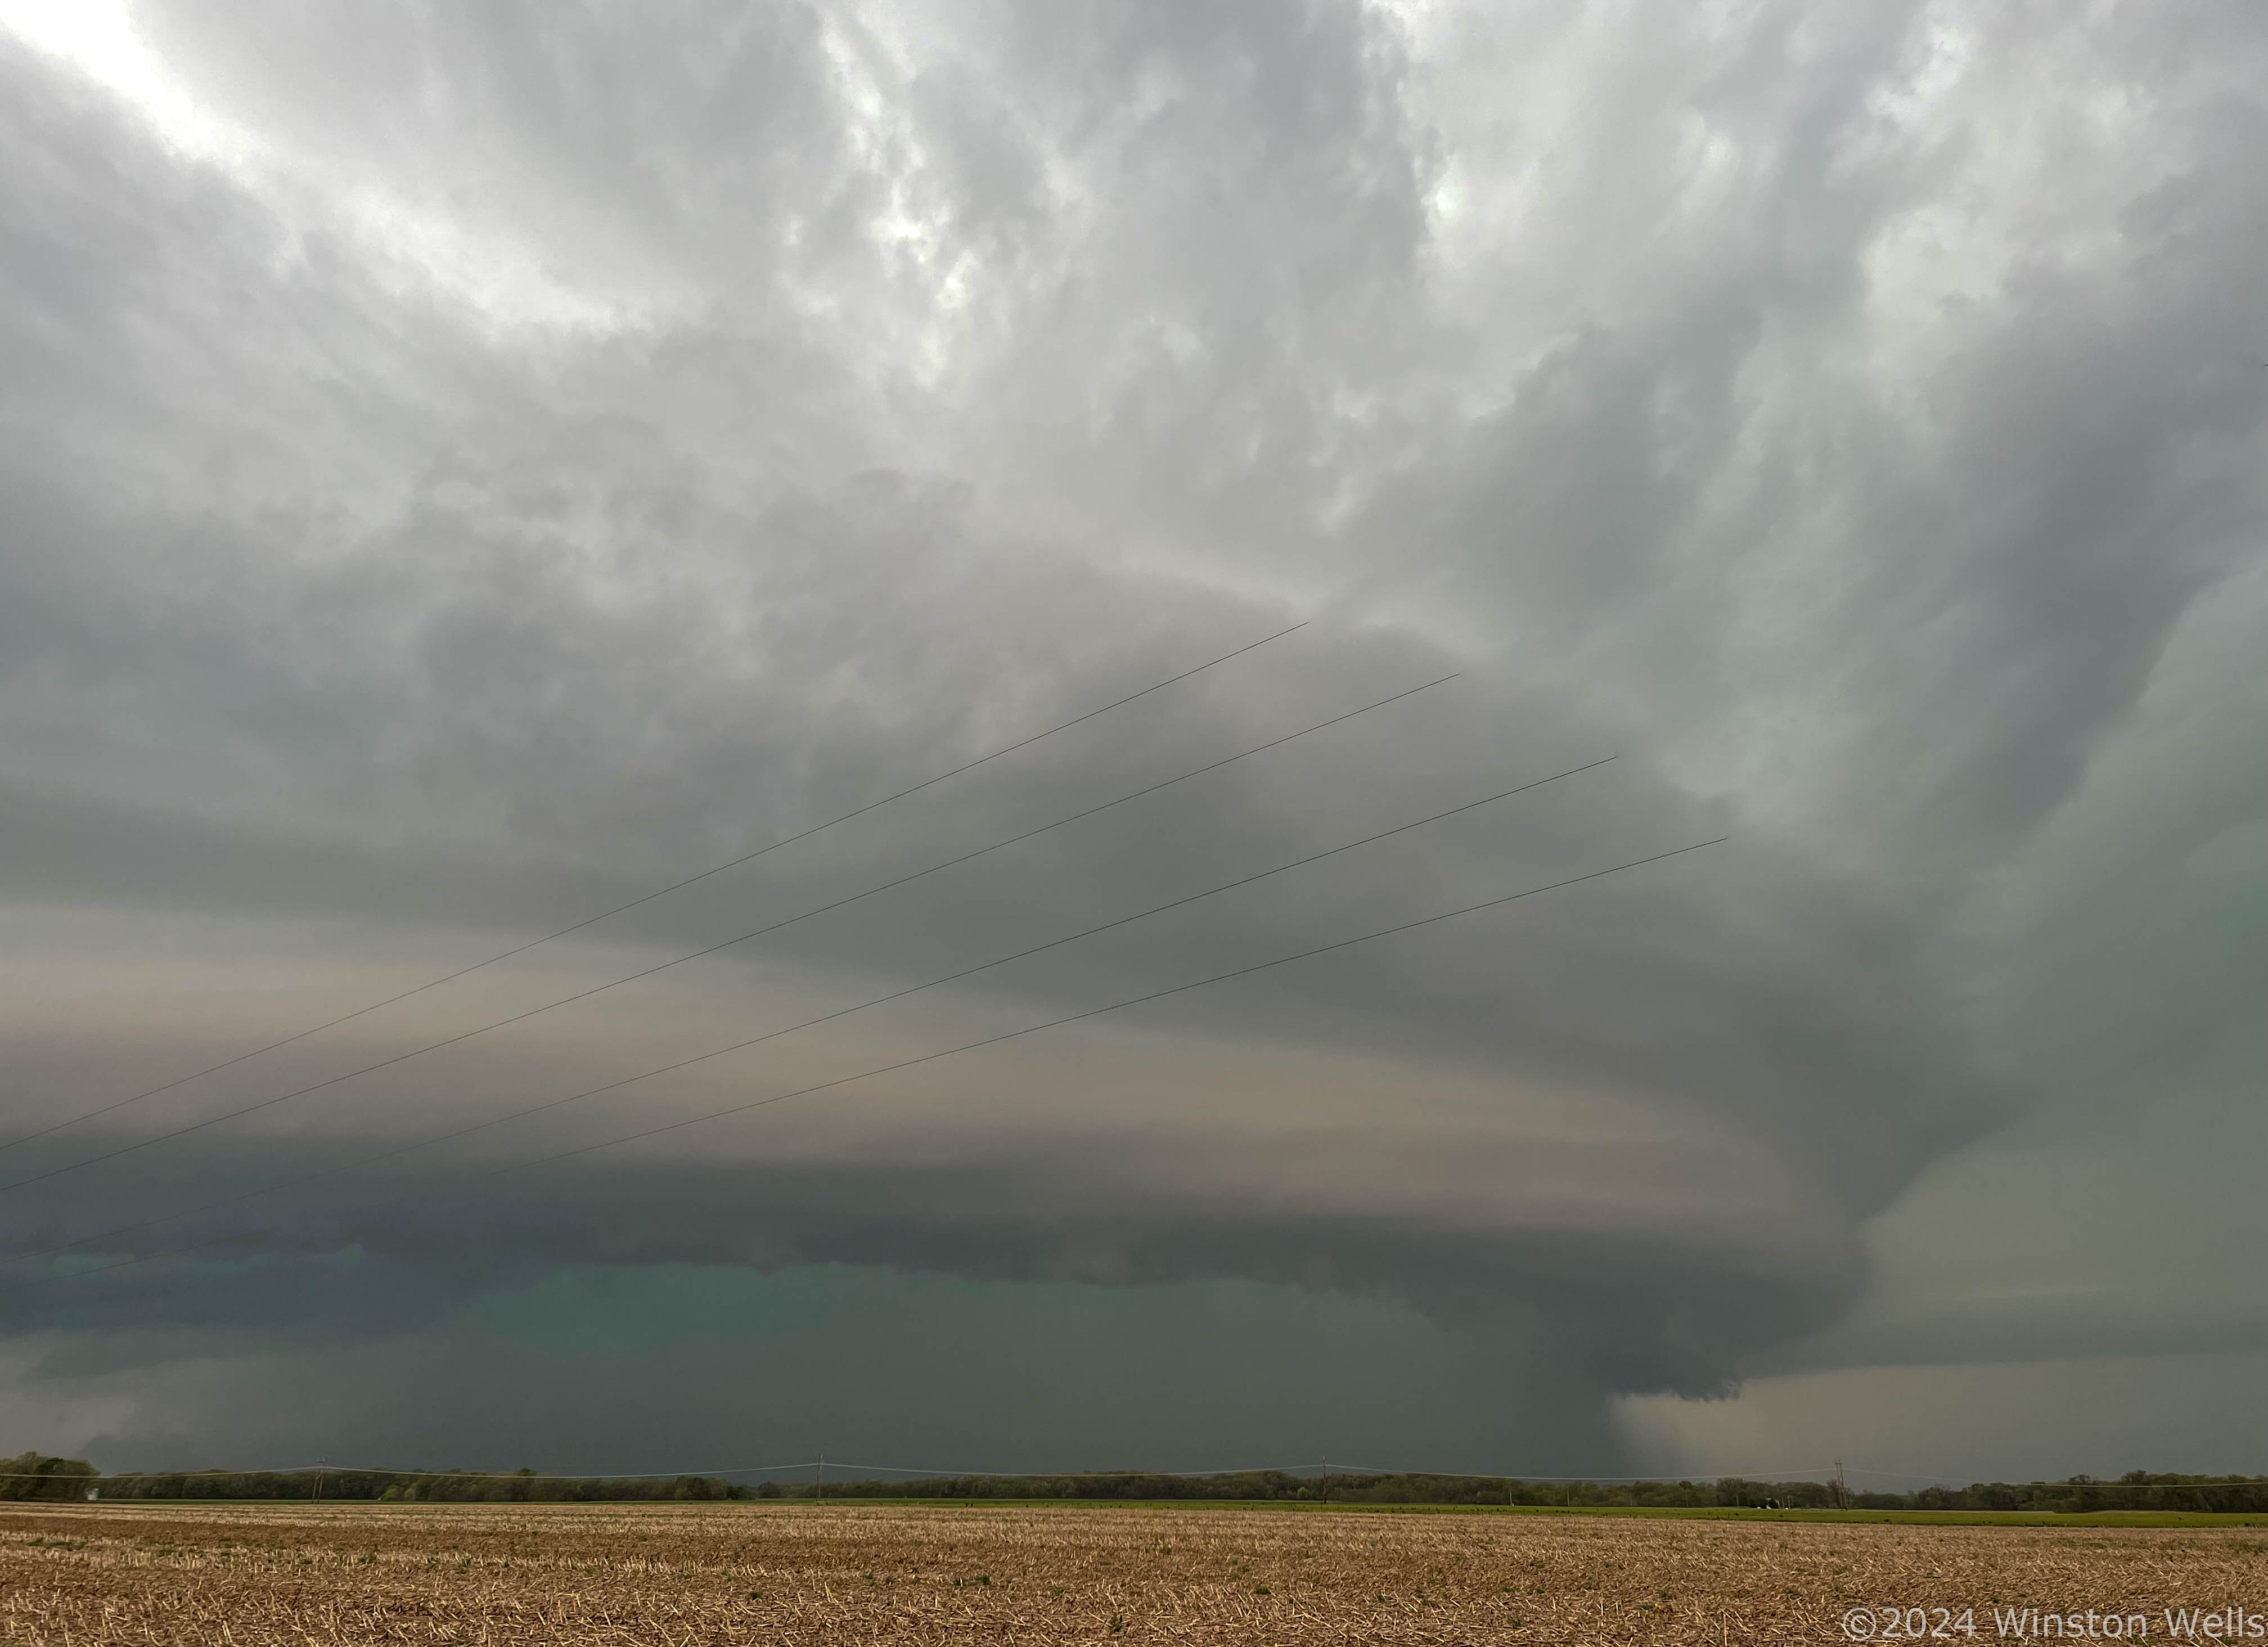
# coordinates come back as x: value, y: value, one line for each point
x: 821, y: 1480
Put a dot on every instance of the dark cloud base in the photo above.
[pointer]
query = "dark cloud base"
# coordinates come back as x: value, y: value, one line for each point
x: 429, y: 517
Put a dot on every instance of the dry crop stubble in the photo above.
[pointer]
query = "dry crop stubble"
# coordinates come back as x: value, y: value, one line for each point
x: 254, y: 1575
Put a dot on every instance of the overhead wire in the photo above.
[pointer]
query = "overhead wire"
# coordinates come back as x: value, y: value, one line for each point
x: 746, y: 857
x: 989, y: 1040
x: 584, y: 994
x: 1116, y: 1006
x: 1761, y: 1476
x: 550, y: 1104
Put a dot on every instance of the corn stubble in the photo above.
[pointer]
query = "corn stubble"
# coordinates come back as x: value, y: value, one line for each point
x: 251, y: 1575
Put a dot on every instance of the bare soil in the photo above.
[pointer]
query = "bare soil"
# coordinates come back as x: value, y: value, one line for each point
x: 255, y: 1575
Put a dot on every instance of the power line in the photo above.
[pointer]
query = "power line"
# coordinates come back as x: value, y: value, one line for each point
x: 920, y: 1471
x: 990, y: 1040
x: 105, y: 1477
x: 1766, y: 1476
x: 872, y: 1469
x: 634, y: 902
x: 907, y: 1469
x: 1776, y: 1473
x: 648, y: 971
x: 1155, y: 994
x: 2091, y: 1485
x: 739, y: 1046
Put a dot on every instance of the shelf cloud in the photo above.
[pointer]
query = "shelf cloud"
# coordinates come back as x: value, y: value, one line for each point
x: 464, y: 472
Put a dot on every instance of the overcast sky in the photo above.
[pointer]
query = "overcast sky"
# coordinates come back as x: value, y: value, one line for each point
x: 467, y: 468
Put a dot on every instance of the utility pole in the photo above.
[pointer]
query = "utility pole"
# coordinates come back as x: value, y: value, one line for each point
x: 1327, y: 1478
x: 1842, y: 1500
x: 821, y: 1480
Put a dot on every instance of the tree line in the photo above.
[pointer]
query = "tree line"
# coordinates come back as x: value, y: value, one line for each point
x: 31, y: 1476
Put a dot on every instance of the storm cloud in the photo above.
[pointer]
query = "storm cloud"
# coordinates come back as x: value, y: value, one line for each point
x: 466, y: 470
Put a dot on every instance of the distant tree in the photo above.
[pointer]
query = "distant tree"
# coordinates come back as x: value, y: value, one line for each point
x: 41, y: 1475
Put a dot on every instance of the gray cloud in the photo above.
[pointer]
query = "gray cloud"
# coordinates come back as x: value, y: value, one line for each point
x: 462, y: 472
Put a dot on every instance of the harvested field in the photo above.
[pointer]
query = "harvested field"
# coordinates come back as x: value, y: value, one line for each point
x: 253, y: 1575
